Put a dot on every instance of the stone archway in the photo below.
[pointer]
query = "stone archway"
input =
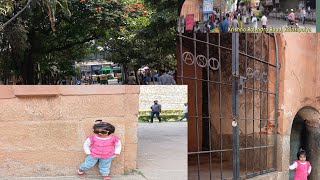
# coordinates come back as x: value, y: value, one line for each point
x: 305, y: 133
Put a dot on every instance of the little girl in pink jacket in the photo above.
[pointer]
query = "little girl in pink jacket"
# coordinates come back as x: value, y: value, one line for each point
x: 102, y: 146
x: 302, y: 167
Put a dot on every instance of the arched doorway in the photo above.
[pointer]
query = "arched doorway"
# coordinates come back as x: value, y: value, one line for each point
x: 305, y: 134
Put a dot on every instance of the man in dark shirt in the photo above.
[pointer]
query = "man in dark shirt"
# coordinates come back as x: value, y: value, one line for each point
x: 155, y: 110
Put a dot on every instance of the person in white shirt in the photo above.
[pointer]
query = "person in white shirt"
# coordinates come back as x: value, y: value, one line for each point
x: 255, y: 22
x: 303, y: 15
x: 185, y: 112
x: 264, y: 21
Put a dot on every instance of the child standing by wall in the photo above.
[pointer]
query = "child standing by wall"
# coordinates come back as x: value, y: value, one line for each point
x: 102, y: 146
x: 302, y: 167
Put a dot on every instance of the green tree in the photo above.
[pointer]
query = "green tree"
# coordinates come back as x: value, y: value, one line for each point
x: 69, y: 42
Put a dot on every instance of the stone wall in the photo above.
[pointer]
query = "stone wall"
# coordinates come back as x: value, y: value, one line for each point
x: 170, y: 97
x: 43, y: 128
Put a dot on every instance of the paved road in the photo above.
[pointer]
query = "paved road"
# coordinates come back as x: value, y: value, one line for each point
x: 163, y: 151
x: 162, y: 154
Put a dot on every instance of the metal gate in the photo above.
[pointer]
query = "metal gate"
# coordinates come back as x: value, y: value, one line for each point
x: 233, y: 100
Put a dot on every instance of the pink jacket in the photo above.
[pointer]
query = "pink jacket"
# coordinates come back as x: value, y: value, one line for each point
x: 301, y: 172
x: 102, y: 148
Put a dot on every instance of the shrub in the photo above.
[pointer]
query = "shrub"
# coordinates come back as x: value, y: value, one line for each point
x: 166, y: 115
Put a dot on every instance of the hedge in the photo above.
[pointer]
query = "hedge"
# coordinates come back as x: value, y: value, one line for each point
x: 166, y: 115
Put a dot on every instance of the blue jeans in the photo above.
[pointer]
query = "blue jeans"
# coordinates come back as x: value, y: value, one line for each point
x: 104, y: 164
x: 157, y: 114
x: 184, y: 116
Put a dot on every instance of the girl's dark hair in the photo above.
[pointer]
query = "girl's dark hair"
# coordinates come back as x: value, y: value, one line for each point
x: 301, y: 152
x: 105, y: 126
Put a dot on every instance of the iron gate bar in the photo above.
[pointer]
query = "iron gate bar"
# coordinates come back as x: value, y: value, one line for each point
x: 220, y: 103
x: 254, y: 54
x: 209, y: 105
x: 267, y: 96
x: 181, y: 57
x: 276, y: 105
x: 228, y: 150
x: 260, y: 96
x: 197, y: 110
x: 224, y: 83
x: 235, y: 105
x: 245, y: 107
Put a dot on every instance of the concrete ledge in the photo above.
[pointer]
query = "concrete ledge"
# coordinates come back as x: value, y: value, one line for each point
x: 34, y: 90
x: 72, y: 90
x: 8, y: 92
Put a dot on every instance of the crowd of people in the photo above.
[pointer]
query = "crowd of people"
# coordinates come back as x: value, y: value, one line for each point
x: 162, y: 77
x: 245, y: 17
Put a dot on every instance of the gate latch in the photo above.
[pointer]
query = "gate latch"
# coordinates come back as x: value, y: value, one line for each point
x: 241, y: 83
x: 235, y: 120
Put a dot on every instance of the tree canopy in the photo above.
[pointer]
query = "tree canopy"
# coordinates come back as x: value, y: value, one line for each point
x: 42, y: 44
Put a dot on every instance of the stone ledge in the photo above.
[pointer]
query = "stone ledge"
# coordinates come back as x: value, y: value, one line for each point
x: 72, y: 90
x: 29, y: 90
x: 13, y: 91
x: 6, y: 92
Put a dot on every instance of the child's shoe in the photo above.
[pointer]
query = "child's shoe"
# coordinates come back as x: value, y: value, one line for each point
x: 81, y: 174
x: 106, y: 178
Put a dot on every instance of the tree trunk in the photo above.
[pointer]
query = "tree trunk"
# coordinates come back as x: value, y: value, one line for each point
x: 27, y: 67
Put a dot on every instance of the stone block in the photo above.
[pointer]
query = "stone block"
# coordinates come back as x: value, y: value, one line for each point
x: 92, y: 106
x: 40, y: 163
x: 130, y: 152
x: 58, y: 163
x: 130, y: 155
x: 283, y: 152
x: 130, y: 165
x: 132, y: 89
x: 12, y: 110
x: 131, y: 104
x: 91, y: 90
x: 6, y: 92
x: 36, y: 136
x: 131, y: 133
x: 40, y: 109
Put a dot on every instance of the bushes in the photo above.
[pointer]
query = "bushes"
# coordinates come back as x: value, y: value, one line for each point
x: 166, y: 115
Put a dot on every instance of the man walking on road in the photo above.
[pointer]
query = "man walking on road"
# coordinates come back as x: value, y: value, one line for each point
x: 185, y: 112
x: 155, y: 110
x: 166, y: 79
